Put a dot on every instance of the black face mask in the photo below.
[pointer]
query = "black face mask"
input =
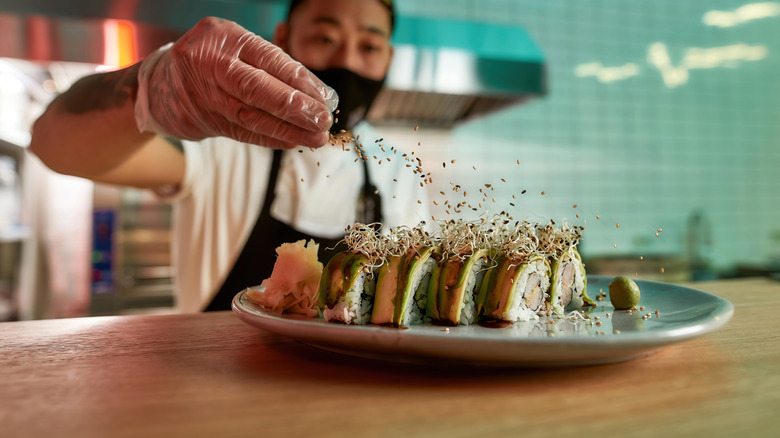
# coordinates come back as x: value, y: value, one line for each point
x: 356, y: 94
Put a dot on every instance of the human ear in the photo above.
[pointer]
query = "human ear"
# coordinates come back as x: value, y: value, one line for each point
x: 281, y: 33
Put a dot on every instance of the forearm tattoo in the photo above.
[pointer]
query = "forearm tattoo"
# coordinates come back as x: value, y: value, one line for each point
x: 101, y: 91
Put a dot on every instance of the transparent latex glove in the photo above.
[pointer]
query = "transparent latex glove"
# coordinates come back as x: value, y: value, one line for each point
x: 219, y: 79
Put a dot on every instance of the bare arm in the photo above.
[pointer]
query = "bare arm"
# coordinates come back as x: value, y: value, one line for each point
x: 90, y: 131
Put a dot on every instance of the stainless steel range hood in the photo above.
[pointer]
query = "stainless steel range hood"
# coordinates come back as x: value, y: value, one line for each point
x: 447, y: 71
x: 443, y: 72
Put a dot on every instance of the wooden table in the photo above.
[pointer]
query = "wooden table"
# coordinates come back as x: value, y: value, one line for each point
x: 213, y: 375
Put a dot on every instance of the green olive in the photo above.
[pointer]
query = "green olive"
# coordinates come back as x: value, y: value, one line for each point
x: 623, y: 293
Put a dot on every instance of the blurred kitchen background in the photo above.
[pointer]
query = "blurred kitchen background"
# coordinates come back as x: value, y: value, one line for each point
x: 654, y: 124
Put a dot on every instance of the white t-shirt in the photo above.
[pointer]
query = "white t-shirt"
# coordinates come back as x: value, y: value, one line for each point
x: 317, y: 190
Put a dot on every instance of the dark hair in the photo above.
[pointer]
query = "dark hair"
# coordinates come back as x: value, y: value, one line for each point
x: 386, y: 3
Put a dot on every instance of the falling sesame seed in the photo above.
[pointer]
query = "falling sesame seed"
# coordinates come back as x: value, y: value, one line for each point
x: 656, y: 234
x: 518, y: 161
x: 419, y: 202
x: 417, y: 127
x: 544, y: 192
x: 662, y: 270
x: 503, y: 180
x: 301, y: 179
x: 443, y: 164
x: 574, y: 206
x: 318, y: 164
x: 327, y: 176
x: 453, y: 162
x: 577, y: 216
x: 523, y: 192
x: 597, y: 217
x: 395, y: 196
x: 395, y: 180
x: 641, y: 257
x: 660, y: 230
x: 617, y: 225
x: 474, y: 167
x: 614, y: 246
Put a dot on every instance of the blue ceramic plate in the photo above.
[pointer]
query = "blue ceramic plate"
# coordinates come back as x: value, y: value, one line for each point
x: 683, y: 313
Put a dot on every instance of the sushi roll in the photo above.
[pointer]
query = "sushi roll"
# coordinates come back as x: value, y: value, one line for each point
x: 451, y: 293
x: 346, y: 291
x: 568, y: 282
x: 515, y: 290
x: 402, y: 288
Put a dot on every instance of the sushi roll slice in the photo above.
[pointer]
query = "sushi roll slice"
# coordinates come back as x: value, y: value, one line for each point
x: 346, y: 291
x: 402, y: 288
x: 514, y: 290
x: 568, y: 282
x: 451, y: 293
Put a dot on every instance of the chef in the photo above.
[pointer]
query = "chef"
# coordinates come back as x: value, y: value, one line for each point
x: 235, y: 131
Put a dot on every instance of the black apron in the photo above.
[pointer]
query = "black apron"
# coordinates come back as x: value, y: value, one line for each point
x: 256, y: 261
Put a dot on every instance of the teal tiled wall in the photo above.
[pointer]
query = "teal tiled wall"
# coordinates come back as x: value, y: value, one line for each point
x: 641, y: 147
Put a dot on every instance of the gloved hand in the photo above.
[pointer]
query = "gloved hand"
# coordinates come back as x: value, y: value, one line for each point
x: 221, y: 80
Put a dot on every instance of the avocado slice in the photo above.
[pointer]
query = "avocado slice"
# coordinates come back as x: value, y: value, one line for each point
x: 447, y: 288
x: 497, y: 294
x: 413, y: 262
x: 394, y: 286
x: 555, y: 275
x: 339, y: 276
x: 386, y: 290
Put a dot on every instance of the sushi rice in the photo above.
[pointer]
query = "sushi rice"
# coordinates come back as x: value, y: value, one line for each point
x: 354, y: 306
